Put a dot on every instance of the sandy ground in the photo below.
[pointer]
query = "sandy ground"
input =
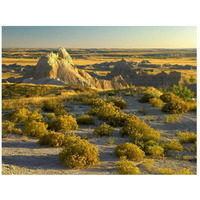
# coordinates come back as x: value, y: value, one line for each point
x: 30, y: 158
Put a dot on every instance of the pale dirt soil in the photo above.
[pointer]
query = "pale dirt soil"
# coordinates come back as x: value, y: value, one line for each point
x: 30, y: 158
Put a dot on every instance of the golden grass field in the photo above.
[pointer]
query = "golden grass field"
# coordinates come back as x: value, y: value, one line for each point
x: 94, y: 60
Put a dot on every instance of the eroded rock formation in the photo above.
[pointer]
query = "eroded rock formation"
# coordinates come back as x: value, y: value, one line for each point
x: 59, y: 69
x: 144, y: 79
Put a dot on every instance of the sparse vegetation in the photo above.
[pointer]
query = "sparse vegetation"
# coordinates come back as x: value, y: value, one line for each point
x: 104, y: 130
x: 111, y: 140
x: 184, y: 171
x: 127, y: 167
x: 142, y: 111
x: 149, y: 164
x: 131, y: 151
x: 173, y: 118
x: 86, y: 119
x: 167, y: 171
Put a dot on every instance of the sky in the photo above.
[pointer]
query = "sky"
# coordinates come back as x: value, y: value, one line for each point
x: 99, y: 36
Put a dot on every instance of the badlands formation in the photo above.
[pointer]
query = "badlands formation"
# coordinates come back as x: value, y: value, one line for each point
x: 59, y: 69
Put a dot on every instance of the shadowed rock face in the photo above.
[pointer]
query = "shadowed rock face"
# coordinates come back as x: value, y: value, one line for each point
x: 143, y: 79
x: 60, y: 67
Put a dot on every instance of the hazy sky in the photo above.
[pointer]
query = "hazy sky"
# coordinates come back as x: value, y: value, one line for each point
x: 99, y: 36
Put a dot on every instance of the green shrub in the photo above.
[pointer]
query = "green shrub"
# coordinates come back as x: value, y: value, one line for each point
x: 176, y: 107
x: 53, y: 106
x: 52, y: 139
x: 168, y: 97
x: 50, y: 116
x: 127, y: 167
x: 7, y: 126
x: 78, y: 153
x: 35, y: 129
x: 120, y: 103
x: 173, y: 145
x: 108, y: 113
x: 131, y: 151
x: 167, y: 171
x: 139, y: 131
x: 183, y: 92
x: 104, y: 130
x: 146, y: 97
x: 156, y: 102
x: 63, y: 123
x: 86, y: 119
x: 155, y: 151
x: 187, y: 137
x: 20, y: 115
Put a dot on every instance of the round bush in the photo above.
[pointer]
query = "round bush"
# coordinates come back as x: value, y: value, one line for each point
x: 155, y: 151
x: 168, y: 97
x: 52, y: 139
x: 63, y: 123
x: 146, y: 97
x: 35, y: 129
x: 78, y: 153
x: 131, y: 151
x: 86, y: 119
x: 104, y: 130
x: 53, y: 106
x: 127, y: 167
x: 176, y: 107
x: 156, y: 102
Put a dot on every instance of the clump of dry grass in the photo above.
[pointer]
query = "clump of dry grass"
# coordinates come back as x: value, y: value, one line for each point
x: 173, y: 119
